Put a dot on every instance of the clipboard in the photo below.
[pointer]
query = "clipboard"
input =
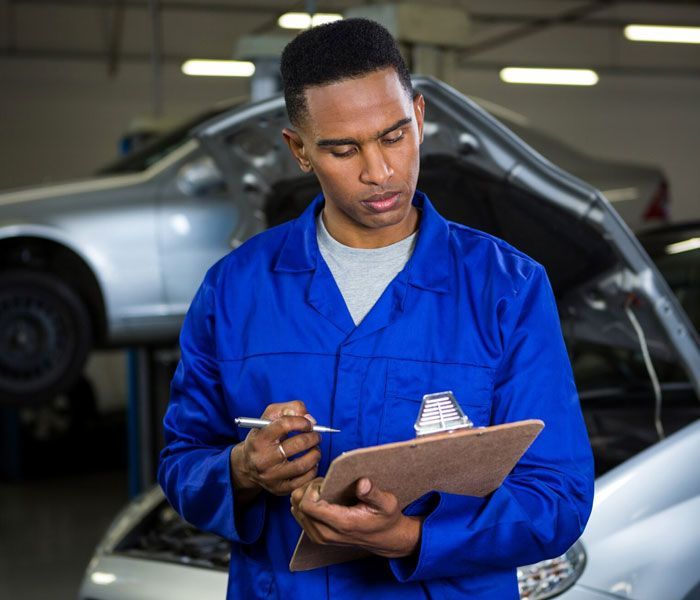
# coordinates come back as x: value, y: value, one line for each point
x: 465, y: 460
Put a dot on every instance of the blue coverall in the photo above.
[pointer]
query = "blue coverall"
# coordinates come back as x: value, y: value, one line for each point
x: 468, y: 313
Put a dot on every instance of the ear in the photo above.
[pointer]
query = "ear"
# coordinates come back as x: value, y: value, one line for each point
x: 297, y: 148
x: 419, y: 111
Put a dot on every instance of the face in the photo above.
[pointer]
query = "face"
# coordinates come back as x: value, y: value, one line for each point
x: 361, y: 138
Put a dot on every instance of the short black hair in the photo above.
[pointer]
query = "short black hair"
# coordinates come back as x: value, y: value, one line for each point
x: 346, y: 49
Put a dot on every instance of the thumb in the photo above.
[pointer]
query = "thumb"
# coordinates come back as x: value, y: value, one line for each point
x: 372, y: 495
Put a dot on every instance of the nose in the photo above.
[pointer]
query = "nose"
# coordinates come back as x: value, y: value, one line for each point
x: 376, y: 170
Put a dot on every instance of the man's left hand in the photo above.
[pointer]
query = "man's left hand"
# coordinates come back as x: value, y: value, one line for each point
x: 375, y: 523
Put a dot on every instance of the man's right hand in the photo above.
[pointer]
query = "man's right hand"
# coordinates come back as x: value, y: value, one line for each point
x: 258, y: 464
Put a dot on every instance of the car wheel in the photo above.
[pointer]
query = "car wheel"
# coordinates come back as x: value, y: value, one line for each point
x: 45, y: 336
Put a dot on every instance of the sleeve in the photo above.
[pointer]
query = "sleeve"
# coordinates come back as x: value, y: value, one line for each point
x: 542, y: 507
x: 194, y: 467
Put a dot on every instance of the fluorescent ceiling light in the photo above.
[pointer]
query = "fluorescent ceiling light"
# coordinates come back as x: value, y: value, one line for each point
x: 218, y: 68
x: 101, y: 578
x: 684, y: 246
x: 299, y: 20
x: 659, y: 33
x: 549, y: 76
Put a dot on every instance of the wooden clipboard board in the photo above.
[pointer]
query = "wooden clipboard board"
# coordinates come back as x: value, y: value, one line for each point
x: 471, y: 462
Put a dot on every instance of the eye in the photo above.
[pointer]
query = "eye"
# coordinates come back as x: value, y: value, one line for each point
x: 343, y: 154
x: 393, y: 140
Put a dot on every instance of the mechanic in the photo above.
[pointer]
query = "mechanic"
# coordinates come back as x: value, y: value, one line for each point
x: 346, y: 316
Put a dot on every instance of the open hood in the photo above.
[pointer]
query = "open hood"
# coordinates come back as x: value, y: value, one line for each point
x: 478, y: 172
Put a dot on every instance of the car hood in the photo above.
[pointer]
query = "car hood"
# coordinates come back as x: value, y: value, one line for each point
x: 643, y: 522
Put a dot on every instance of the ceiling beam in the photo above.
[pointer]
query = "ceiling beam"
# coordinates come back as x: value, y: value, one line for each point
x: 537, y: 24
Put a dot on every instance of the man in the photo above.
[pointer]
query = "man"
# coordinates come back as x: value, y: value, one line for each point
x: 348, y: 315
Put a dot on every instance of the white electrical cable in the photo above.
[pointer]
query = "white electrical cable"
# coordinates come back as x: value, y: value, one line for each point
x: 650, y: 369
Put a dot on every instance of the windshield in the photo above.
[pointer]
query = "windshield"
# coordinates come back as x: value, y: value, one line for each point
x: 162, y: 145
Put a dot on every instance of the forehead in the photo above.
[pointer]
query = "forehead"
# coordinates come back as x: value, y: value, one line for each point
x: 357, y: 107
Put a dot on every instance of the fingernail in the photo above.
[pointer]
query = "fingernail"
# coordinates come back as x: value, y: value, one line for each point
x: 310, y: 418
x: 315, y: 496
x: 288, y: 412
x: 365, y: 486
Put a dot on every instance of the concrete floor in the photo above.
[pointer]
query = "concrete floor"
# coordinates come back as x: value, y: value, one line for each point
x: 49, y: 528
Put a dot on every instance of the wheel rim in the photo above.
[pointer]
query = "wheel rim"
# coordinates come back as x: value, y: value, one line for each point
x: 36, y: 339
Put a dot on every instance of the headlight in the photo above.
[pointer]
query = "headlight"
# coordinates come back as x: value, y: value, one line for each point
x: 550, y: 578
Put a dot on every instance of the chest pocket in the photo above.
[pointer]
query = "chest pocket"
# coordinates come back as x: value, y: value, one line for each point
x: 408, y: 381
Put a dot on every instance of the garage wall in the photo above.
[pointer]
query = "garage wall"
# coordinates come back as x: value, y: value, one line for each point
x: 63, y: 119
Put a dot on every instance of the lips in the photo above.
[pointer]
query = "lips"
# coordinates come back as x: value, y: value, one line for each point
x: 382, y: 203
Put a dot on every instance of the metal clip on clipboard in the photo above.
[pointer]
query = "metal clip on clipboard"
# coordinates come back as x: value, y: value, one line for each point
x: 440, y: 413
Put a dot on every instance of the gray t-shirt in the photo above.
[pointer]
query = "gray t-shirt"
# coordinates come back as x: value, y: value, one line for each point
x: 362, y: 274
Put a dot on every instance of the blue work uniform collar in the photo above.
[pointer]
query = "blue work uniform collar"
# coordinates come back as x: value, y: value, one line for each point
x: 428, y: 268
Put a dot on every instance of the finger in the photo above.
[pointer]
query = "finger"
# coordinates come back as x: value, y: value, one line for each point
x: 277, y: 410
x: 300, y: 443
x: 357, y: 519
x: 317, y: 532
x: 381, y: 501
x: 298, y: 516
x: 311, y: 493
x: 291, y: 485
x: 280, y: 428
x: 299, y: 492
x: 320, y: 533
x: 299, y: 466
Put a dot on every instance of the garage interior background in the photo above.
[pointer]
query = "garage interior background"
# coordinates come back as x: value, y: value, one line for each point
x: 74, y: 74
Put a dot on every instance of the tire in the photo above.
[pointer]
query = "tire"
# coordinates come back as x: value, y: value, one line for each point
x: 45, y: 337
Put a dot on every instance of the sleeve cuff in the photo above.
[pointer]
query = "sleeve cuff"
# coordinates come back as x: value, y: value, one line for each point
x: 405, y: 567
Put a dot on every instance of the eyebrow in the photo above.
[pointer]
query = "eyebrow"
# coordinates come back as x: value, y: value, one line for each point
x: 353, y: 141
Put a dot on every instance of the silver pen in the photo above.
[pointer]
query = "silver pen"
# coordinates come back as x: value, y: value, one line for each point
x: 250, y: 423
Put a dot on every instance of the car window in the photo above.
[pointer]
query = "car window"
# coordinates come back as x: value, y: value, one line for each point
x: 201, y: 177
x: 164, y: 144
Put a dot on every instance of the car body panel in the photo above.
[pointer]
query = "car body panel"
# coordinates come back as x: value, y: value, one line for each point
x: 111, y: 224
x: 119, y: 577
x: 642, y: 540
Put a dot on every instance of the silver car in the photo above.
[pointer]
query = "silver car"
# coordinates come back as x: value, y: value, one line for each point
x: 115, y: 259
x: 636, y: 359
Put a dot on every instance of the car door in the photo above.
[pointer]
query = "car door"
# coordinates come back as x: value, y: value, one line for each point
x: 199, y: 220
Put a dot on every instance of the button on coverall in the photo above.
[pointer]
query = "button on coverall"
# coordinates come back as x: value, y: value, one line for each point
x: 468, y: 313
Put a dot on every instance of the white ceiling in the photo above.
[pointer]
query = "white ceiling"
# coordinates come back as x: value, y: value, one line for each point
x: 523, y: 32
